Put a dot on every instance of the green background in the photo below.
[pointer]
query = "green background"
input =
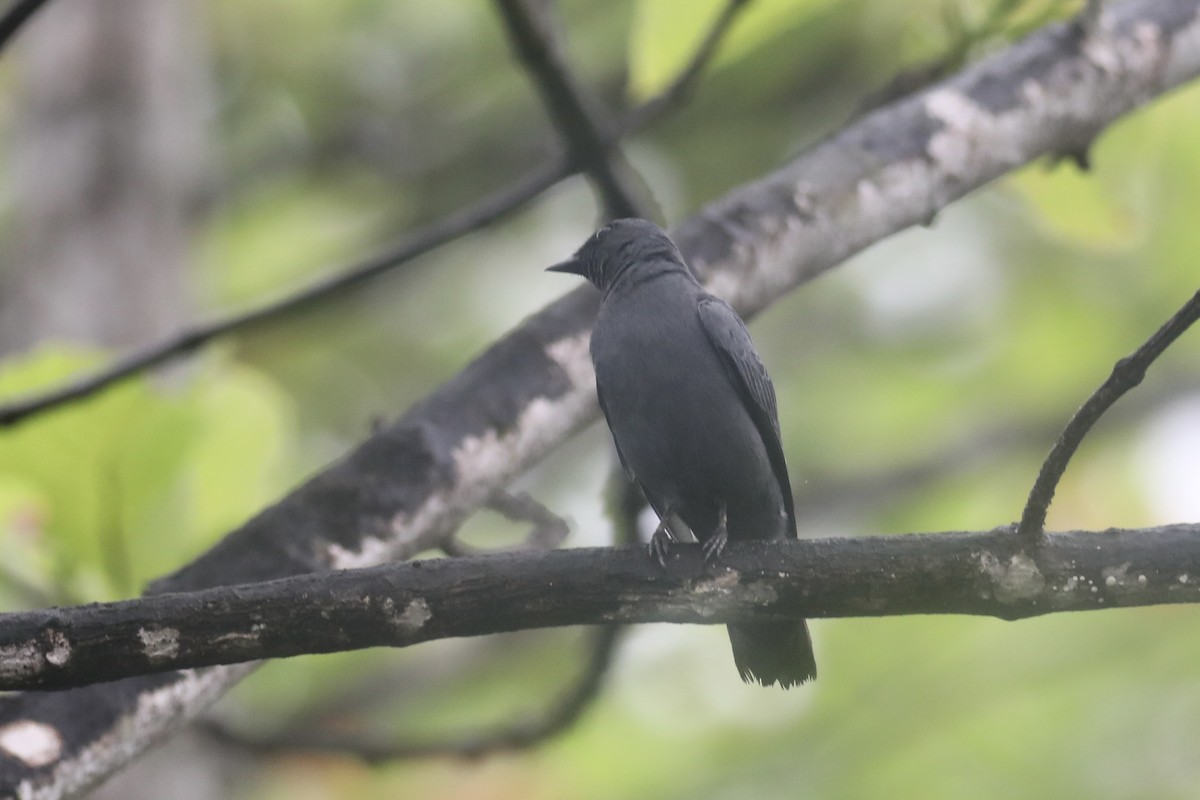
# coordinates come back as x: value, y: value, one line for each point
x: 920, y: 385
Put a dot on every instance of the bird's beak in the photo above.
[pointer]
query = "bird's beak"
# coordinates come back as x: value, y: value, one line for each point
x: 571, y: 265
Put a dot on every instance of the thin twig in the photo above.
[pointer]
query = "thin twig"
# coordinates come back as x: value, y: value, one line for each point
x: 473, y: 217
x: 683, y: 84
x: 1126, y: 374
x: 577, y: 116
x: 514, y: 736
x: 438, y: 233
x: 547, y: 532
x: 549, y: 529
x: 16, y: 16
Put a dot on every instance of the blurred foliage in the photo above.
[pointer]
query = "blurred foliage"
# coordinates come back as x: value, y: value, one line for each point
x: 665, y: 33
x: 342, y: 125
x: 98, y: 498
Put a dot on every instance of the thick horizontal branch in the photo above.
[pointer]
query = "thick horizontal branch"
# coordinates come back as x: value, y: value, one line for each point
x: 398, y: 605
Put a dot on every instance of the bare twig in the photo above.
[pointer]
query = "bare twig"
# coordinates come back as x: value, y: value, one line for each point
x: 16, y: 16
x: 547, y: 532
x: 373, y: 748
x: 438, y: 233
x: 1127, y: 374
x: 549, y: 529
x: 478, y: 215
x: 577, y: 116
x: 682, y: 86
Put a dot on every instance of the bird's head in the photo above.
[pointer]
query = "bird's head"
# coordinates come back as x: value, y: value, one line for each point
x: 619, y: 246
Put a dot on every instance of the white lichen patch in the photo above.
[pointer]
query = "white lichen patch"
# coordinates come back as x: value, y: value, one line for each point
x: 759, y: 592
x: 972, y: 135
x: 414, y: 616
x: 21, y: 660
x: 1018, y: 579
x: 157, y: 713
x: 59, y: 650
x: 372, y: 551
x: 888, y: 197
x: 247, y: 638
x: 572, y: 355
x: 713, y: 594
x: 484, y: 462
x: 1116, y: 576
x: 35, y: 744
x: 159, y: 644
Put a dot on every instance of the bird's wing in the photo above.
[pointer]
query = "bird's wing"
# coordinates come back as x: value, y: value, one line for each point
x: 728, y: 335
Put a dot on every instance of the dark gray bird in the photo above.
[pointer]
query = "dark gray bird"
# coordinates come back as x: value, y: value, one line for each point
x: 692, y: 411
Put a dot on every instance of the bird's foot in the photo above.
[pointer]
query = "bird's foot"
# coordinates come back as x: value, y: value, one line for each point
x: 660, y: 543
x: 715, y: 544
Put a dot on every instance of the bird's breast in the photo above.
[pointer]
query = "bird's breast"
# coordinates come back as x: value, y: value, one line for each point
x: 678, y: 419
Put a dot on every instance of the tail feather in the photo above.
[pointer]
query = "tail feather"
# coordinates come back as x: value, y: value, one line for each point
x: 773, y: 652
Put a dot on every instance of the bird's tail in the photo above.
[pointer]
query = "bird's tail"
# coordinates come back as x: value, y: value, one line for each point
x: 773, y: 652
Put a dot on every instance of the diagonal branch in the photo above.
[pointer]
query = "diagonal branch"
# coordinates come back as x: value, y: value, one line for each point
x: 1127, y: 374
x: 16, y: 16
x: 399, y: 605
x: 491, y: 208
x: 402, y: 488
x: 576, y: 115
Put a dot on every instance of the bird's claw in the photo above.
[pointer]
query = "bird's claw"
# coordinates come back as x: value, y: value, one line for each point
x: 660, y: 544
x: 714, y: 546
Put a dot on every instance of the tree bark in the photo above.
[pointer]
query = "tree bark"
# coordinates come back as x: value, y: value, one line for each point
x: 403, y: 604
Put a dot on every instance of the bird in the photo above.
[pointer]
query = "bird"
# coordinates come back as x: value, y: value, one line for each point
x: 693, y: 415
